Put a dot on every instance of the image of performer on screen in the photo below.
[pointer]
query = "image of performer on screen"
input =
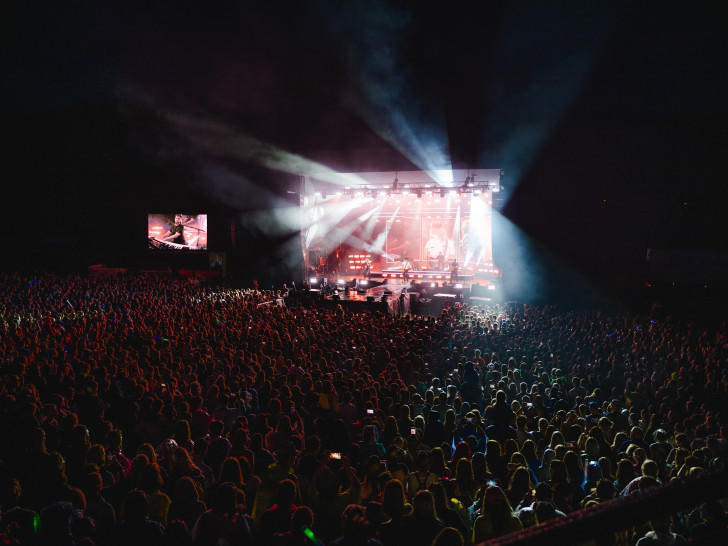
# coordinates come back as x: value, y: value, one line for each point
x: 176, y: 233
x: 438, y: 248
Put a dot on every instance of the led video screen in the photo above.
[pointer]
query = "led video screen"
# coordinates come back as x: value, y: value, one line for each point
x: 183, y: 232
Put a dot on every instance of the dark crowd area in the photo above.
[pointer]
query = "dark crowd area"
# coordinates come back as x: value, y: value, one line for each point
x: 155, y: 409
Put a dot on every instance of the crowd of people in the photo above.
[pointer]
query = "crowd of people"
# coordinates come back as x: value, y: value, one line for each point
x: 154, y: 409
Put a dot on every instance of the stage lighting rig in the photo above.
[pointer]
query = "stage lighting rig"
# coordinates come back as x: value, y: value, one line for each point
x: 396, y: 188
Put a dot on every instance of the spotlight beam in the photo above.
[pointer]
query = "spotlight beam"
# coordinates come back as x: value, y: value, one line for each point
x: 221, y: 140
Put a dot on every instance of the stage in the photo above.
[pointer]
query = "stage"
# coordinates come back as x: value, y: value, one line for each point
x: 378, y: 222
x: 392, y: 295
x: 423, y: 275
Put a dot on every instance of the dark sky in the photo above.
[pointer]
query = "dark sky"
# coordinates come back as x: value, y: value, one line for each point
x: 608, y: 118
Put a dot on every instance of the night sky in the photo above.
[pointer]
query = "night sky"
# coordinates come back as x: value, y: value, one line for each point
x: 608, y: 118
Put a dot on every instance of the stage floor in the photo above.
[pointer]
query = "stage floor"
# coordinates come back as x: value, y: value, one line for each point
x: 423, y: 275
x: 395, y: 284
x: 428, y: 279
x: 431, y: 298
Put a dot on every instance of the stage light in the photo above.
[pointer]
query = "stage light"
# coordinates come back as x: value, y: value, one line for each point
x: 433, y: 285
x: 363, y: 283
x: 313, y: 280
x: 341, y: 281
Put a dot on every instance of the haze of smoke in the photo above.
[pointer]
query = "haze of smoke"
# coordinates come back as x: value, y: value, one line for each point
x: 381, y: 94
x: 532, y: 272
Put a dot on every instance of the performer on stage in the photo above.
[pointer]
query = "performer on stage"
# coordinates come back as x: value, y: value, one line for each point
x: 334, y: 263
x: 454, y: 271
x: 368, y: 269
x: 406, y: 266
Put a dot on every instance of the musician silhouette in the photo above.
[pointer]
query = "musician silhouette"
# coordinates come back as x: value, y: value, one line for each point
x: 454, y: 271
x: 368, y: 269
